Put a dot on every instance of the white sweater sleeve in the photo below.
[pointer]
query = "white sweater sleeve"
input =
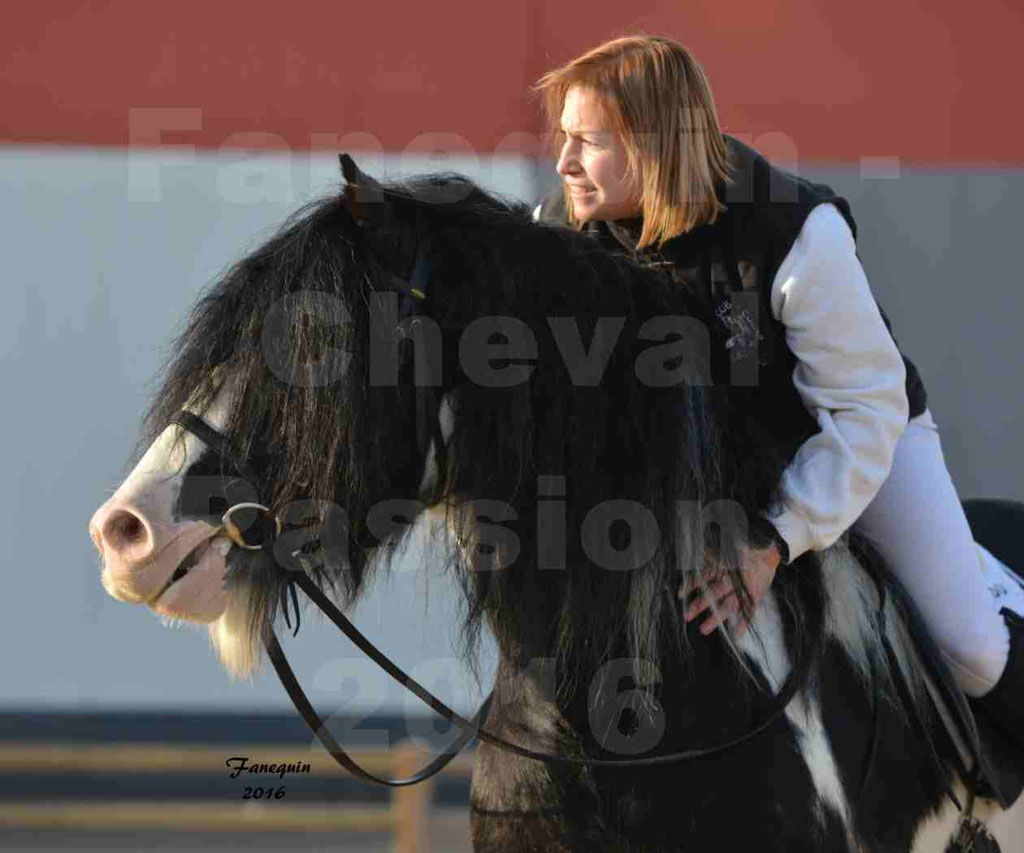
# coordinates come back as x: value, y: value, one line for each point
x: 850, y: 376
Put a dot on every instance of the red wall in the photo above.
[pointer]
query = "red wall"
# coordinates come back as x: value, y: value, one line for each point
x: 835, y: 81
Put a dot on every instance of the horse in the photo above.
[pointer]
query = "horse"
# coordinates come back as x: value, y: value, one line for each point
x: 412, y: 353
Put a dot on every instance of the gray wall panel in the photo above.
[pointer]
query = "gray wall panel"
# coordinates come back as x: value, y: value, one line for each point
x: 939, y: 248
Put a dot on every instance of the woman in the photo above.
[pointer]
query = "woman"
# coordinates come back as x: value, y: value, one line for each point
x: 644, y: 165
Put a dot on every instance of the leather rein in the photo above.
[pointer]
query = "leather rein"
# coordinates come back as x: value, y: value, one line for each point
x: 266, y: 531
x: 269, y: 527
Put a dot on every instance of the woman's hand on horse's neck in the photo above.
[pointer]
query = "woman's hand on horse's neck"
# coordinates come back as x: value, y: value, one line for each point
x: 758, y: 567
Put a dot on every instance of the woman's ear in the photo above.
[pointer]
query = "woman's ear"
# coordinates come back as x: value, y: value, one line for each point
x: 362, y: 193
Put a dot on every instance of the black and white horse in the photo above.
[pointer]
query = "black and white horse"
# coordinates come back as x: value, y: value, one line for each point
x: 424, y: 353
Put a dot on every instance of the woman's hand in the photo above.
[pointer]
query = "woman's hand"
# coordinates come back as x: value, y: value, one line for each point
x: 758, y: 567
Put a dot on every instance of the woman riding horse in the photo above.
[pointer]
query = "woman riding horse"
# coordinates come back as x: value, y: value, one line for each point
x: 576, y: 479
x: 645, y: 167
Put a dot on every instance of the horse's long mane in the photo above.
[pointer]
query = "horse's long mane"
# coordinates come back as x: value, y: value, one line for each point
x: 306, y: 410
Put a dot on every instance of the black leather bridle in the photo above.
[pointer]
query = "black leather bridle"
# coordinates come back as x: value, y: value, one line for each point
x: 268, y: 527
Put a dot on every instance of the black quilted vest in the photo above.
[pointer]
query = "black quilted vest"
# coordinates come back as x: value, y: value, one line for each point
x: 731, y: 265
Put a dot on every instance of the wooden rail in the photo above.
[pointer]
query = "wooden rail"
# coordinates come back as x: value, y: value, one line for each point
x: 406, y: 817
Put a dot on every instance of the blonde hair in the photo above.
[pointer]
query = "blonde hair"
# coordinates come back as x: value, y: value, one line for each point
x: 658, y: 99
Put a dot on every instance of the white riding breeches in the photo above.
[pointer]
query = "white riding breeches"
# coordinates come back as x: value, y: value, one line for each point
x: 918, y: 526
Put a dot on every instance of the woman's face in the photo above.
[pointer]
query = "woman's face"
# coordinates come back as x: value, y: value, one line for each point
x: 593, y: 161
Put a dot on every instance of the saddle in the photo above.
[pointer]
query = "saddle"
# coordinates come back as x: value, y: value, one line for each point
x: 986, y: 757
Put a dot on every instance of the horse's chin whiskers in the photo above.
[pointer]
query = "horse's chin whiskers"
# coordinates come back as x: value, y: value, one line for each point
x: 237, y: 647
x: 171, y: 621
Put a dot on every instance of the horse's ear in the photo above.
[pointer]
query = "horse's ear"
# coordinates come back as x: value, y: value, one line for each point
x: 349, y: 170
x: 361, y: 192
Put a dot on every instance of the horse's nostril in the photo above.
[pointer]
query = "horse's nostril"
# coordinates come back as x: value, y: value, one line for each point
x: 123, y: 530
